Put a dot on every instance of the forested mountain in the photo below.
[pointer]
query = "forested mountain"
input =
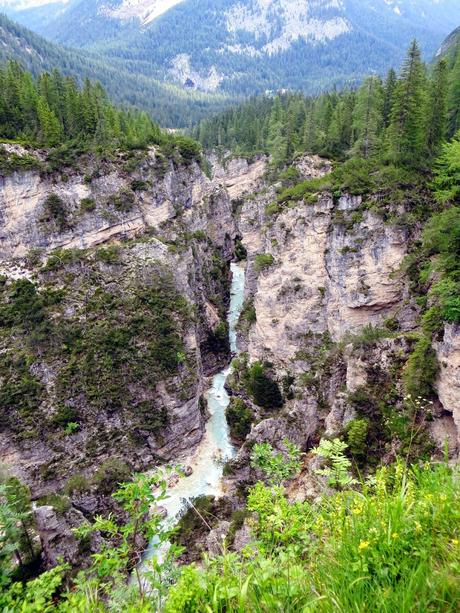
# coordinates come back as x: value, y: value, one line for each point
x: 362, y: 122
x: 168, y: 104
x: 245, y: 47
x: 343, y: 493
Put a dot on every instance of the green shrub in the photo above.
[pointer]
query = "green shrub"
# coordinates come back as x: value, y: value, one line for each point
x: 76, y: 484
x: 239, y: 418
x: 356, y: 433
x: 240, y: 251
x: 109, y: 255
x: 123, y: 201
x: 263, y: 261
x: 302, y: 190
x: 137, y: 185
x: 12, y: 162
x: 264, y: 391
x: 421, y: 369
x: 61, y: 504
x: 110, y: 474
x: 368, y: 336
x: 87, y: 205
x: 55, y: 210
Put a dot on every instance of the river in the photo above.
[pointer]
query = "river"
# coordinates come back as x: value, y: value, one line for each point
x: 215, y: 447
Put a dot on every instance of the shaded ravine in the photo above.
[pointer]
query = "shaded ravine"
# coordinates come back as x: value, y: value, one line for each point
x: 215, y: 447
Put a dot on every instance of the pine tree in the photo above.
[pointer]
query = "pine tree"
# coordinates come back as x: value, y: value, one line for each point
x: 390, y: 84
x: 437, y: 121
x: 407, y: 130
x: 453, y: 99
x: 367, y: 118
x: 50, y: 128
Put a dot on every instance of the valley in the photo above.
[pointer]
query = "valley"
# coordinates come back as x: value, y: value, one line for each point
x: 229, y: 356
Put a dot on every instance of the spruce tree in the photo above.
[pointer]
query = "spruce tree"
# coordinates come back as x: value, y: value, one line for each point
x: 437, y: 119
x: 389, y: 88
x: 407, y: 130
x: 367, y: 118
x: 453, y: 99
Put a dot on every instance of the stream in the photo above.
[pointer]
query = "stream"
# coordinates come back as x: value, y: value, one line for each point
x: 215, y: 447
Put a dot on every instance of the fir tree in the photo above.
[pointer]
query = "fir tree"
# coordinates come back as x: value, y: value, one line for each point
x: 437, y: 120
x: 407, y: 130
x: 367, y: 118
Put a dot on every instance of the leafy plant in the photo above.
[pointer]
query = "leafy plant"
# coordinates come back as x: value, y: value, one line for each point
x: 338, y: 469
x: 277, y: 466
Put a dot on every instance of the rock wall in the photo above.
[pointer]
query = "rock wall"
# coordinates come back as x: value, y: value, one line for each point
x: 164, y: 219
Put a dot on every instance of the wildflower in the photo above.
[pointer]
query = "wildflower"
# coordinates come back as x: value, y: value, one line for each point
x: 418, y: 527
x: 395, y: 535
x: 357, y: 510
x: 363, y: 545
x: 455, y: 542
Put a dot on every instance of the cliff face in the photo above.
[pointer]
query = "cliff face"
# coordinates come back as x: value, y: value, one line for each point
x: 335, y: 322
x: 125, y: 264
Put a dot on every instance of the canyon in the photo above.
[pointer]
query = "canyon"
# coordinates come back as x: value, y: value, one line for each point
x: 145, y: 221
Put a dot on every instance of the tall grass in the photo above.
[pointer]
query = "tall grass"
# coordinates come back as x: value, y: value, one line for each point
x: 391, y: 546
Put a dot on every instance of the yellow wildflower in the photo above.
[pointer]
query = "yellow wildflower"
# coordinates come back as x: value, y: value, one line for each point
x: 394, y: 535
x: 455, y: 541
x: 363, y: 545
x: 418, y: 527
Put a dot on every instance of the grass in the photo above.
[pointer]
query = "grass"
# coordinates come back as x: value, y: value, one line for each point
x: 392, y: 546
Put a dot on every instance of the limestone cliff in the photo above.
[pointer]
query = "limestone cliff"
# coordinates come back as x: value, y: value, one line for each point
x: 334, y: 321
x: 114, y: 289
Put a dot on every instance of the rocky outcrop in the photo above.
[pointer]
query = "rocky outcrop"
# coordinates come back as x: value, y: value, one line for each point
x: 58, y: 543
x: 448, y: 386
x: 107, y: 202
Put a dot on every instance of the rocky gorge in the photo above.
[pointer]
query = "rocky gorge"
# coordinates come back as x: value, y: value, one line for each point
x: 120, y: 270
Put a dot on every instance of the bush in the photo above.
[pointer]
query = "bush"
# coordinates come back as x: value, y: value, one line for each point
x: 264, y: 391
x: 110, y: 474
x: 76, y: 484
x: 87, y: 205
x: 61, y: 504
x: 263, y: 261
x: 421, y: 369
x: 356, y: 432
x: 239, y: 418
x: 109, y: 255
x: 55, y: 210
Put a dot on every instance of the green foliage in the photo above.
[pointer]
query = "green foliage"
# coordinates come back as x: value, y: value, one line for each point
x: 421, y: 369
x: 12, y: 162
x: 55, y: 210
x: 338, y: 465
x: 110, y: 474
x: 263, y: 261
x: 76, y: 484
x: 447, y: 173
x: 239, y: 418
x: 87, y: 205
x: 395, y: 542
x: 109, y: 255
x: 277, y: 466
x: 60, y: 503
x: 356, y: 432
x: 240, y: 251
x: 368, y: 336
x: 264, y: 391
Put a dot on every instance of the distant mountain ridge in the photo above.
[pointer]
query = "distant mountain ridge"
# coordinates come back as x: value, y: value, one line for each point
x: 169, y: 105
x: 245, y: 46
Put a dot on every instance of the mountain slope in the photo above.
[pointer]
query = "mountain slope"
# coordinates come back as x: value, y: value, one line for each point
x: 242, y: 46
x: 169, y: 105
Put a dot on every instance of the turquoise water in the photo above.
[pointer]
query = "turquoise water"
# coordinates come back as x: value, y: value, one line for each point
x: 215, y: 447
